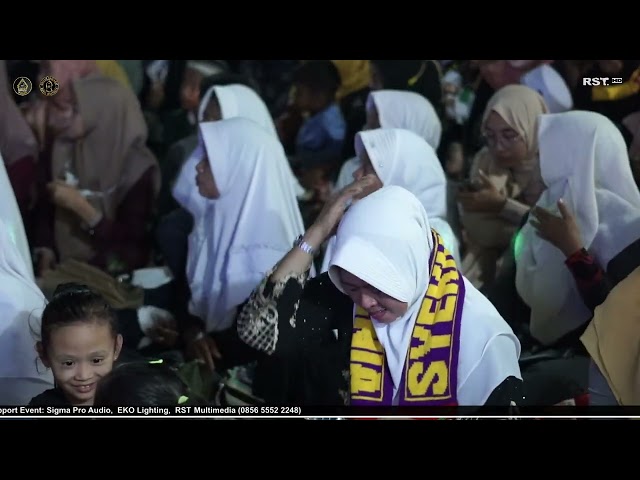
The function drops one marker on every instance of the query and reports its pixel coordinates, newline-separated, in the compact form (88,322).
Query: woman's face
(380,306)
(205,181)
(366,168)
(505,144)
(212,113)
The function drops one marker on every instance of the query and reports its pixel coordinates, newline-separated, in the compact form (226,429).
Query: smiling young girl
(79,343)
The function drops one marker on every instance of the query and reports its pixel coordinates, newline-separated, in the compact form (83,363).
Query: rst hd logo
(597,81)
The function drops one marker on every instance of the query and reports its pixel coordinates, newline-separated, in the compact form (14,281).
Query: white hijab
(408,110)
(403,158)
(398,109)
(385,240)
(235,101)
(583,160)
(390,254)
(10,215)
(21,304)
(249,228)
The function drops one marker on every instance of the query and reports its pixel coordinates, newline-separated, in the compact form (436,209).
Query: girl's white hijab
(249,228)
(10,215)
(408,110)
(385,240)
(398,109)
(235,101)
(403,158)
(584,161)
(21,304)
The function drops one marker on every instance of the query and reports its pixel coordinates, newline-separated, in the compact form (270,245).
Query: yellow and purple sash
(430,374)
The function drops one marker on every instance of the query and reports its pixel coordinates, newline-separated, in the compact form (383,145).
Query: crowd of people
(320,233)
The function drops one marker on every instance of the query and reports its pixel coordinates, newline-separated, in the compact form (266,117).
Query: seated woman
(612,340)
(221,102)
(18,146)
(385,295)
(22,303)
(585,167)
(504,181)
(250,222)
(98,180)
(396,109)
(402,158)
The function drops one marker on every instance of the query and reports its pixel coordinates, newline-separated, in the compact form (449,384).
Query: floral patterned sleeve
(591,280)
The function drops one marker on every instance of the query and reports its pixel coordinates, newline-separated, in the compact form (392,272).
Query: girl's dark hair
(319,75)
(72,303)
(225,78)
(142,384)
(419,76)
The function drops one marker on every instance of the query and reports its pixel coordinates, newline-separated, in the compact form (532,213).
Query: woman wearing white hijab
(402,158)
(585,165)
(21,304)
(10,215)
(396,109)
(252,218)
(222,103)
(385,295)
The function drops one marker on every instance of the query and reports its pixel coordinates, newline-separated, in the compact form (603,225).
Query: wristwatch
(305,247)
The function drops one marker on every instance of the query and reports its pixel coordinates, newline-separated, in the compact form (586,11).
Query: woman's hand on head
(329,218)
(561,231)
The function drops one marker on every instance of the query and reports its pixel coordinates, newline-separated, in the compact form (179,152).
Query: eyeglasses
(507,140)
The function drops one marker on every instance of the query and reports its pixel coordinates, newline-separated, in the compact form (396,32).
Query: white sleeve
(498,361)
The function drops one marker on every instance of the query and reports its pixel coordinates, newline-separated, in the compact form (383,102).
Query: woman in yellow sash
(392,322)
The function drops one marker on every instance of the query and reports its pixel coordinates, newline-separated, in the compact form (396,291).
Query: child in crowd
(144,384)
(319,141)
(79,342)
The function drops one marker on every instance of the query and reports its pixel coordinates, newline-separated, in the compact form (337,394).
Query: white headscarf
(390,254)
(398,109)
(408,110)
(21,304)
(235,100)
(249,228)
(10,214)
(584,161)
(549,83)
(401,157)
(385,240)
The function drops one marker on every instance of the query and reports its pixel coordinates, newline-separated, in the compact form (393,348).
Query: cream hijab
(403,158)
(249,228)
(21,304)
(584,161)
(235,101)
(613,340)
(519,107)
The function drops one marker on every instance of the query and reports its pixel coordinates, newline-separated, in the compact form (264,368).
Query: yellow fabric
(368,356)
(111,68)
(613,340)
(617,92)
(354,75)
